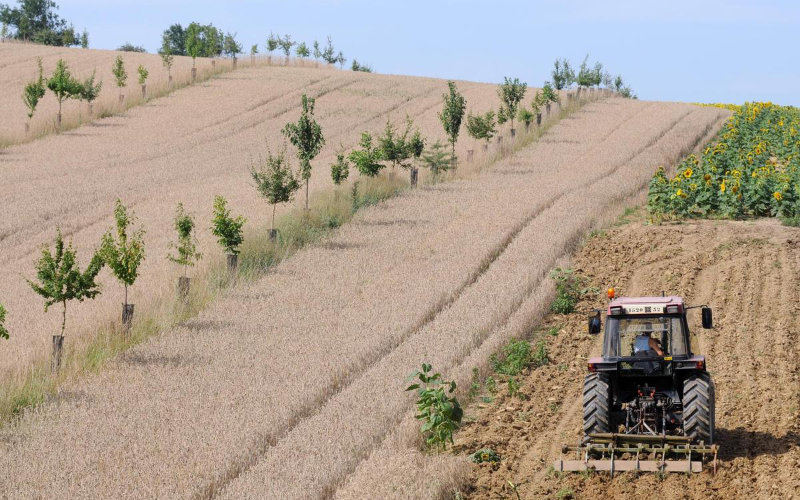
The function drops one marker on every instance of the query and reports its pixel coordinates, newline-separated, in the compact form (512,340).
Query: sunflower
(688,173)
(722,187)
(707,177)
(777,195)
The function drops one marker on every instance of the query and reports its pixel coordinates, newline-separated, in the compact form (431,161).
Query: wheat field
(188,146)
(292,386)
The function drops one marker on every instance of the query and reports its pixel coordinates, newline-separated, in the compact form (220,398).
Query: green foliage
(173,41)
(367,160)
(63,85)
(230,46)
(441,414)
(143,73)
(286,44)
(396,148)
(540,357)
(513,388)
(481,127)
(272,43)
(123,254)
(129,47)
(329,53)
(622,89)
(85,39)
(563,74)
(226,228)
(306,136)
(187,243)
(316,51)
(37,21)
(589,77)
(60,278)
(511,93)
(3,330)
(753,170)
(275,180)
(416,144)
(549,94)
(90,90)
(491,385)
(484,455)
(118,70)
(526,116)
(451,116)
(567,290)
(167,57)
(565,494)
(254,49)
(302,50)
(341,169)
(34,91)
(516,356)
(203,40)
(356,66)
(436,159)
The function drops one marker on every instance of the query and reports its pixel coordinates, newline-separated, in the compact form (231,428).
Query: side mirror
(708,321)
(594,324)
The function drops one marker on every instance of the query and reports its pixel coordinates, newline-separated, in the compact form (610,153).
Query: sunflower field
(752,171)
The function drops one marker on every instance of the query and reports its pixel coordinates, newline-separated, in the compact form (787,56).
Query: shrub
(516,357)
(540,357)
(567,290)
(3,330)
(123,254)
(441,414)
(341,169)
(226,228)
(484,455)
(129,47)
(356,66)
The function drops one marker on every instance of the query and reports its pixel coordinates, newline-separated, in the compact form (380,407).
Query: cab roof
(669,299)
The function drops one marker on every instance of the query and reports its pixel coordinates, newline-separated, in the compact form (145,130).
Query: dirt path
(749,273)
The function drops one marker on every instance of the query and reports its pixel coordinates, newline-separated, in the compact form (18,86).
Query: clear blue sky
(674,50)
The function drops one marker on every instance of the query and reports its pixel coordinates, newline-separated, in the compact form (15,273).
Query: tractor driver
(645,342)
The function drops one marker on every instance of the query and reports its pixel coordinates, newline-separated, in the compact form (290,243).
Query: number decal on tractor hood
(644,309)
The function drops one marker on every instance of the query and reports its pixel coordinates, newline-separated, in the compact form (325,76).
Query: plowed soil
(749,272)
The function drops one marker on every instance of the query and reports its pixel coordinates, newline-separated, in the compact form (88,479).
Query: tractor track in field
(749,272)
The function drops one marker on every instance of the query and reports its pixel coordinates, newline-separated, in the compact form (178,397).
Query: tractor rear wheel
(698,407)
(596,403)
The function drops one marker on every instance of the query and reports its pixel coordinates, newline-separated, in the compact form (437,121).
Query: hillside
(292,386)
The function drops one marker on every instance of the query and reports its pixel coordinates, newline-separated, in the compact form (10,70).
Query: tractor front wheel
(596,404)
(698,407)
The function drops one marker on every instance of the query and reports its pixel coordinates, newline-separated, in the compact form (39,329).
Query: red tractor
(648,401)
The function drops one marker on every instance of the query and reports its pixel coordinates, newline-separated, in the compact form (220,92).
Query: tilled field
(292,387)
(749,272)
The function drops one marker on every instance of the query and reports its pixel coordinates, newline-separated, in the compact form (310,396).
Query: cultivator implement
(637,452)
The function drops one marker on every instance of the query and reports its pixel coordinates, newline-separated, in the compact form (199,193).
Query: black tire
(698,407)
(596,403)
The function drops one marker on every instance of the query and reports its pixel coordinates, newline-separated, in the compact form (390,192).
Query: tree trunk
(233,262)
(234,63)
(414,176)
(59,114)
(183,288)
(527,127)
(547,107)
(91,110)
(273,233)
(144,91)
(169,79)
(486,146)
(307,195)
(58,346)
(127,312)
(121,97)
(538,119)
(194,74)
(213,63)
(513,132)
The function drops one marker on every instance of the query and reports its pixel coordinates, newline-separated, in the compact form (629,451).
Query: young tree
(231,47)
(37,21)
(123,254)
(549,94)
(395,147)
(167,59)
(195,43)
(367,160)
(341,59)
(228,230)
(174,41)
(253,52)
(511,93)
(435,159)
(272,44)
(186,248)
(329,53)
(341,169)
(286,44)
(90,91)
(275,181)
(3,330)
(481,127)
(34,91)
(120,75)
(563,74)
(302,50)
(360,67)
(63,85)
(85,39)
(416,146)
(59,280)
(143,74)
(316,51)
(306,136)
(451,116)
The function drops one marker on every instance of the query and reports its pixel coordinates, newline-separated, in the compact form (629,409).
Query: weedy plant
(441,414)
(306,136)
(61,280)
(567,290)
(228,230)
(123,254)
(484,455)
(516,356)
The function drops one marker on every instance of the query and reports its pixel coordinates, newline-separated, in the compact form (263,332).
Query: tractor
(648,401)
